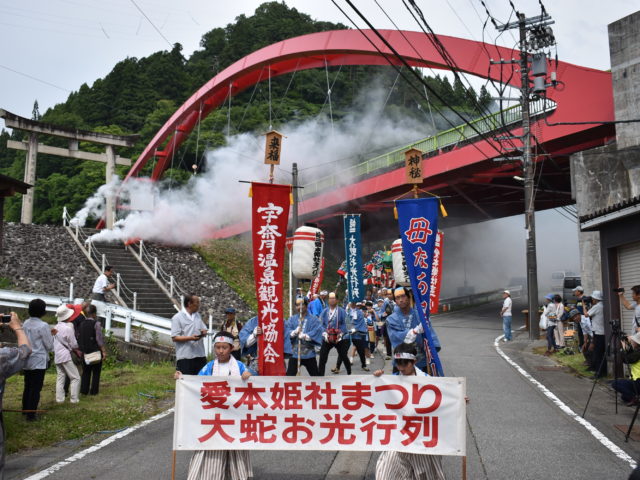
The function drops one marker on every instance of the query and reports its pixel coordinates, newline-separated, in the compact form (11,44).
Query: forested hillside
(139,95)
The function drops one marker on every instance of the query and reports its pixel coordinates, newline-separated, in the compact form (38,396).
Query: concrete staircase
(150,297)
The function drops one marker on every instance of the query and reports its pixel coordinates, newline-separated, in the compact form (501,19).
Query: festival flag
(317,282)
(353,253)
(342,269)
(418,223)
(270,214)
(436,273)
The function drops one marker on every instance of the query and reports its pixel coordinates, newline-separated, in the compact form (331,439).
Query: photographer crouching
(12,359)
(629,389)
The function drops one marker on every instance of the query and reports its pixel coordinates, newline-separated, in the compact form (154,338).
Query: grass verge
(232,260)
(128,394)
(575,362)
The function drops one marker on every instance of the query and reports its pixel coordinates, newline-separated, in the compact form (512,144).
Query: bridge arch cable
(445,56)
(365,140)
(449,60)
(417,76)
(326,71)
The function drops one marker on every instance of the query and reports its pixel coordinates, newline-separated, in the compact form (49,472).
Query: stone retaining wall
(42,259)
(192,273)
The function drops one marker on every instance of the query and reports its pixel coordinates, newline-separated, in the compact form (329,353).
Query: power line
(450,61)
(415,74)
(152,24)
(36,79)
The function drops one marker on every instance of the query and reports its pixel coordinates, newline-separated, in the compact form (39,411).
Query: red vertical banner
(436,273)
(270,214)
(317,282)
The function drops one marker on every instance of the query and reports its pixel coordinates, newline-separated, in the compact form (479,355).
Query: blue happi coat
(315,307)
(312,327)
(399,324)
(358,323)
(252,350)
(339,320)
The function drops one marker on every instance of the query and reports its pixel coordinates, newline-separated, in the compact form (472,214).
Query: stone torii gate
(32,147)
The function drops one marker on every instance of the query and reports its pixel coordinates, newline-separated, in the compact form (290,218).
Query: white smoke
(215,198)
(95,205)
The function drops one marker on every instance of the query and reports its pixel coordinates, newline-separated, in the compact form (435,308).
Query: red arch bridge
(459,164)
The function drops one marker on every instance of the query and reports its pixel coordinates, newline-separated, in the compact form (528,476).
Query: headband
(404,356)
(223,339)
(400,290)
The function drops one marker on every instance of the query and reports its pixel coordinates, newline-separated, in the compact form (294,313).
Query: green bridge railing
(447,138)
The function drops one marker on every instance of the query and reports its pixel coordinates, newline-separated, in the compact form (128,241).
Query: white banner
(367,413)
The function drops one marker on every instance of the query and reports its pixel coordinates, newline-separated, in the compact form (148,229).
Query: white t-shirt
(101,283)
(507,304)
(596,313)
(636,314)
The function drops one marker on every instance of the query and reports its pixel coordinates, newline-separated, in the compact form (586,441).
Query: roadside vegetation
(232,260)
(128,394)
(575,361)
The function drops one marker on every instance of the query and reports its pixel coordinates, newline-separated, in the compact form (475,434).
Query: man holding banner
(404,326)
(305,333)
(418,225)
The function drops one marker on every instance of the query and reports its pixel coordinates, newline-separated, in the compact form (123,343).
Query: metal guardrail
(447,138)
(151,263)
(479,298)
(153,266)
(98,259)
(109,311)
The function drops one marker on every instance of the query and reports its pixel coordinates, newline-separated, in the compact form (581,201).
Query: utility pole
(529,203)
(540,36)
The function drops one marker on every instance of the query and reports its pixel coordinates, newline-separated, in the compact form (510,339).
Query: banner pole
(464,468)
(173,466)
(299,343)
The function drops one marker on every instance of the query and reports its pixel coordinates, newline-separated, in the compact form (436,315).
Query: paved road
(513,430)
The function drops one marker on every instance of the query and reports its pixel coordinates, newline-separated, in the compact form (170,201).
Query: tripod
(613,345)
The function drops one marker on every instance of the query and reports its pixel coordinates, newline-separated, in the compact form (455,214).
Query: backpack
(87,336)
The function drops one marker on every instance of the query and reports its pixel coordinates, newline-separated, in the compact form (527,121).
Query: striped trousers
(409,466)
(220,465)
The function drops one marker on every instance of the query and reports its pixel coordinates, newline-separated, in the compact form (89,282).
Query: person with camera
(633,305)
(582,304)
(187,332)
(629,389)
(334,323)
(12,360)
(596,315)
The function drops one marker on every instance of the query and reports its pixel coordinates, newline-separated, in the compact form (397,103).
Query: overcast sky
(51,47)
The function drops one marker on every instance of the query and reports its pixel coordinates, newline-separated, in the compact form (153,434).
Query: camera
(5,318)
(618,290)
